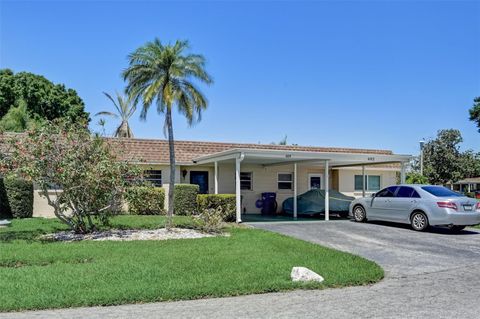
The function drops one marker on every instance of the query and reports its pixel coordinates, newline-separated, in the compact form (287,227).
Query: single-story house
(466,185)
(248,170)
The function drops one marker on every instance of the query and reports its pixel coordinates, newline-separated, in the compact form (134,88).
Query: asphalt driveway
(398,249)
(428,275)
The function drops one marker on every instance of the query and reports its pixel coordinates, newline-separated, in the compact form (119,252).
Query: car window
(387,192)
(440,191)
(415,194)
(404,191)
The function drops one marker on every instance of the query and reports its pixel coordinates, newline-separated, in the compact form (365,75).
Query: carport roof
(269,157)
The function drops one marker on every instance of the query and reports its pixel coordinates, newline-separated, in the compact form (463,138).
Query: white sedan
(418,205)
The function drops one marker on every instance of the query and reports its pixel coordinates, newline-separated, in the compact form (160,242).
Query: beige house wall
(264,180)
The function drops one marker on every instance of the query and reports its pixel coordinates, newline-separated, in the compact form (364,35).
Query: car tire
(456,229)
(419,221)
(359,214)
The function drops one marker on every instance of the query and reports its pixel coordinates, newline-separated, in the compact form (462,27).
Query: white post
(327,193)
(238,196)
(294,190)
(363,181)
(216,177)
(402,173)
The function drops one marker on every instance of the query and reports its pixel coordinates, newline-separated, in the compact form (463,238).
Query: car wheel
(456,229)
(419,221)
(359,214)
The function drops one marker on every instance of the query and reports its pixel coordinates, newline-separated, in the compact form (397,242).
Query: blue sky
(371,74)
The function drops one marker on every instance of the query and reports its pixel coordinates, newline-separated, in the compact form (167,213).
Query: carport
(268,157)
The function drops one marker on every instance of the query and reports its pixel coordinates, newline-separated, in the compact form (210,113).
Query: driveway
(428,275)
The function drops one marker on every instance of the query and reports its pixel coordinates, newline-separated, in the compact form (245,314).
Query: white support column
(363,180)
(402,173)
(216,178)
(238,195)
(327,192)
(294,190)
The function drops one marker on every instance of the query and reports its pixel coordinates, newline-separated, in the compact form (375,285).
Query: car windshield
(441,191)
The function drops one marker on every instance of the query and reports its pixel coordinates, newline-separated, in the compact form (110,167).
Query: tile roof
(155,151)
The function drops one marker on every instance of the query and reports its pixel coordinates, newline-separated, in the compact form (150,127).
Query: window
(387,192)
(153,176)
(440,191)
(404,191)
(372,182)
(285,180)
(246,181)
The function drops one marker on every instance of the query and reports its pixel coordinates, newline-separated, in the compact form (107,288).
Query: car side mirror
(373,195)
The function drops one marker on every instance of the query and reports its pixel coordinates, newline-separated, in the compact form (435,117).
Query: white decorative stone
(4,223)
(305,274)
(131,234)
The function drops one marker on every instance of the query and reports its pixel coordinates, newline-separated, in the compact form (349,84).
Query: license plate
(467,207)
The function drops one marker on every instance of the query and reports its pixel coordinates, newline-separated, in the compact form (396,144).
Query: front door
(314,181)
(201,179)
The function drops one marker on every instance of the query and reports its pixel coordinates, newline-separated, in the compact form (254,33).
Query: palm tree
(163,74)
(125,110)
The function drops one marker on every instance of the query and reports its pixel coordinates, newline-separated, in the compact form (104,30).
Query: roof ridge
(245,144)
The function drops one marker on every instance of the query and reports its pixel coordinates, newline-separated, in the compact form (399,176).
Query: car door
(402,204)
(380,205)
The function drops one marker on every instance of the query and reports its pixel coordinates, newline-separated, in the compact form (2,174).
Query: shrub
(210,220)
(185,199)
(470,194)
(225,201)
(84,167)
(17,197)
(145,200)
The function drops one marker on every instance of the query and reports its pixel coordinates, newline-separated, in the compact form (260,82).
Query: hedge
(225,201)
(145,200)
(16,196)
(185,199)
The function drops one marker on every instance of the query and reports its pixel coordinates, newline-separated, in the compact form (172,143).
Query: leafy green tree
(43,98)
(125,109)
(416,178)
(475,112)
(163,74)
(65,156)
(18,119)
(442,157)
(470,163)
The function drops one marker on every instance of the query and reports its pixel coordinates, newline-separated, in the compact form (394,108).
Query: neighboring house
(284,169)
(466,185)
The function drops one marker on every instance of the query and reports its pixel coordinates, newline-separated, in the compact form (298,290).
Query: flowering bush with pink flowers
(87,180)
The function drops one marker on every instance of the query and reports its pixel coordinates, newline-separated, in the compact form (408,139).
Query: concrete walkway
(429,275)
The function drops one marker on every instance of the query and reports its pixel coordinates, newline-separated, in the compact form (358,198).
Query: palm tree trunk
(171,147)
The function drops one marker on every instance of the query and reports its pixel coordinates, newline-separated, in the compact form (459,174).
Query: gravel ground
(129,234)
(428,275)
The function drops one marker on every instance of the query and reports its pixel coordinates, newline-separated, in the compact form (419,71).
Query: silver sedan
(418,205)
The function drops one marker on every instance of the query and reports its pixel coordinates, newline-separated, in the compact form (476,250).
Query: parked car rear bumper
(460,219)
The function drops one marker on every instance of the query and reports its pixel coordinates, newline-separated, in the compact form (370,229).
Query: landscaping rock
(305,274)
(4,223)
(130,234)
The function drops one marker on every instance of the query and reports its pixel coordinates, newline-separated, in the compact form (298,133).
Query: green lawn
(38,275)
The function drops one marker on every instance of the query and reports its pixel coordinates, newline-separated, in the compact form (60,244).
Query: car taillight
(450,205)
(477,206)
